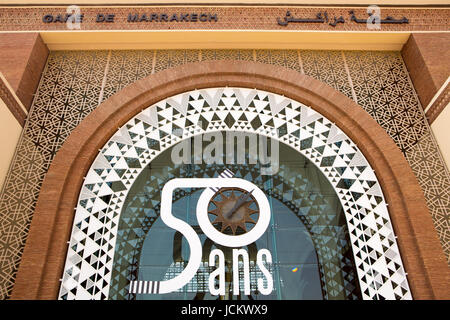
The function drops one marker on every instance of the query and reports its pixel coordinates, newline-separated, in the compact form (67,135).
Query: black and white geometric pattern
(91,249)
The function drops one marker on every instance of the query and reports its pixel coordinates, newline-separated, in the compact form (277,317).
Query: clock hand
(242,199)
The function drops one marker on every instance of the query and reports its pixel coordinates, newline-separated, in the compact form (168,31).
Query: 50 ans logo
(241,214)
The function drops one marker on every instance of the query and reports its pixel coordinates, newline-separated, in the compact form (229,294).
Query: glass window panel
(307,237)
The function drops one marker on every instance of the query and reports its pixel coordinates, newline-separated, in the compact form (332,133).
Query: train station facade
(241,150)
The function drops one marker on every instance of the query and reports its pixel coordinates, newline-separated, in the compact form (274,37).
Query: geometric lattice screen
(87,272)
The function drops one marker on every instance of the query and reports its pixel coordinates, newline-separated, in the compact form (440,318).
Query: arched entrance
(158,127)
(99,126)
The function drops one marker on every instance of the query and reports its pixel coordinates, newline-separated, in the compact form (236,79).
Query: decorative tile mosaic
(384,89)
(242,55)
(124,68)
(73,83)
(282,58)
(428,166)
(328,67)
(68,92)
(171,58)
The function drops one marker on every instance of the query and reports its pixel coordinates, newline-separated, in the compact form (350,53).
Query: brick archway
(44,255)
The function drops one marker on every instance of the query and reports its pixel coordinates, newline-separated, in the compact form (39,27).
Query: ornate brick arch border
(44,254)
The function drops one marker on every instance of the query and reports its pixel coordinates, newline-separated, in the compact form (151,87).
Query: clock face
(233,211)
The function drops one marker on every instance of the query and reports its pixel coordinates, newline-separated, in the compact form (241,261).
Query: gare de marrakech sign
(134,17)
(223,18)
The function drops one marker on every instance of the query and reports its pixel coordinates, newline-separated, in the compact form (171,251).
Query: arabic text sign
(322,17)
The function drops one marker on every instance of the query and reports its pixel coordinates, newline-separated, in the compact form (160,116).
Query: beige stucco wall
(223,39)
(441,131)
(10,131)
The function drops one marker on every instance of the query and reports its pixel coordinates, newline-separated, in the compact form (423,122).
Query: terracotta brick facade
(426,56)
(44,255)
(22,59)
